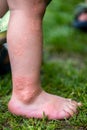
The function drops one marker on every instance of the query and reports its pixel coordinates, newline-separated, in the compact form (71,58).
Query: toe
(74,103)
(65,114)
(69,109)
(79,104)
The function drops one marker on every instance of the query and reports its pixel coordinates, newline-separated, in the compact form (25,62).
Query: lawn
(63,72)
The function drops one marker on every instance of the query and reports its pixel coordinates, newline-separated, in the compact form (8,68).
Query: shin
(25,46)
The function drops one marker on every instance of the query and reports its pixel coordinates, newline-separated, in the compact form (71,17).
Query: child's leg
(3,7)
(25,50)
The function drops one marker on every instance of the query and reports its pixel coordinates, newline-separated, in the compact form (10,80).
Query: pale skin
(25,41)
(83,16)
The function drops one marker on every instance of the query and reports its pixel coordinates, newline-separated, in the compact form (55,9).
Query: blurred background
(59,35)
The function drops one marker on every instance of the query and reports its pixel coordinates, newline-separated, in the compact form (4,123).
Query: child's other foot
(54,107)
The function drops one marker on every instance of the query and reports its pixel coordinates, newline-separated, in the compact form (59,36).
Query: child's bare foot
(54,107)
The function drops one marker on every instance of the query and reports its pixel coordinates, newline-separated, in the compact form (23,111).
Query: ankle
(25,90)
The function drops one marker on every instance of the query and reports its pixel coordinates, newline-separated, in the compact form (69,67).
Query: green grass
(64,71)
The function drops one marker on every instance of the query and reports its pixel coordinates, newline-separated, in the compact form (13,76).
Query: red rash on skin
(25,89)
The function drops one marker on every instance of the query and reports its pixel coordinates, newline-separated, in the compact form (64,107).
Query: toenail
(70,100)
(79,104)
